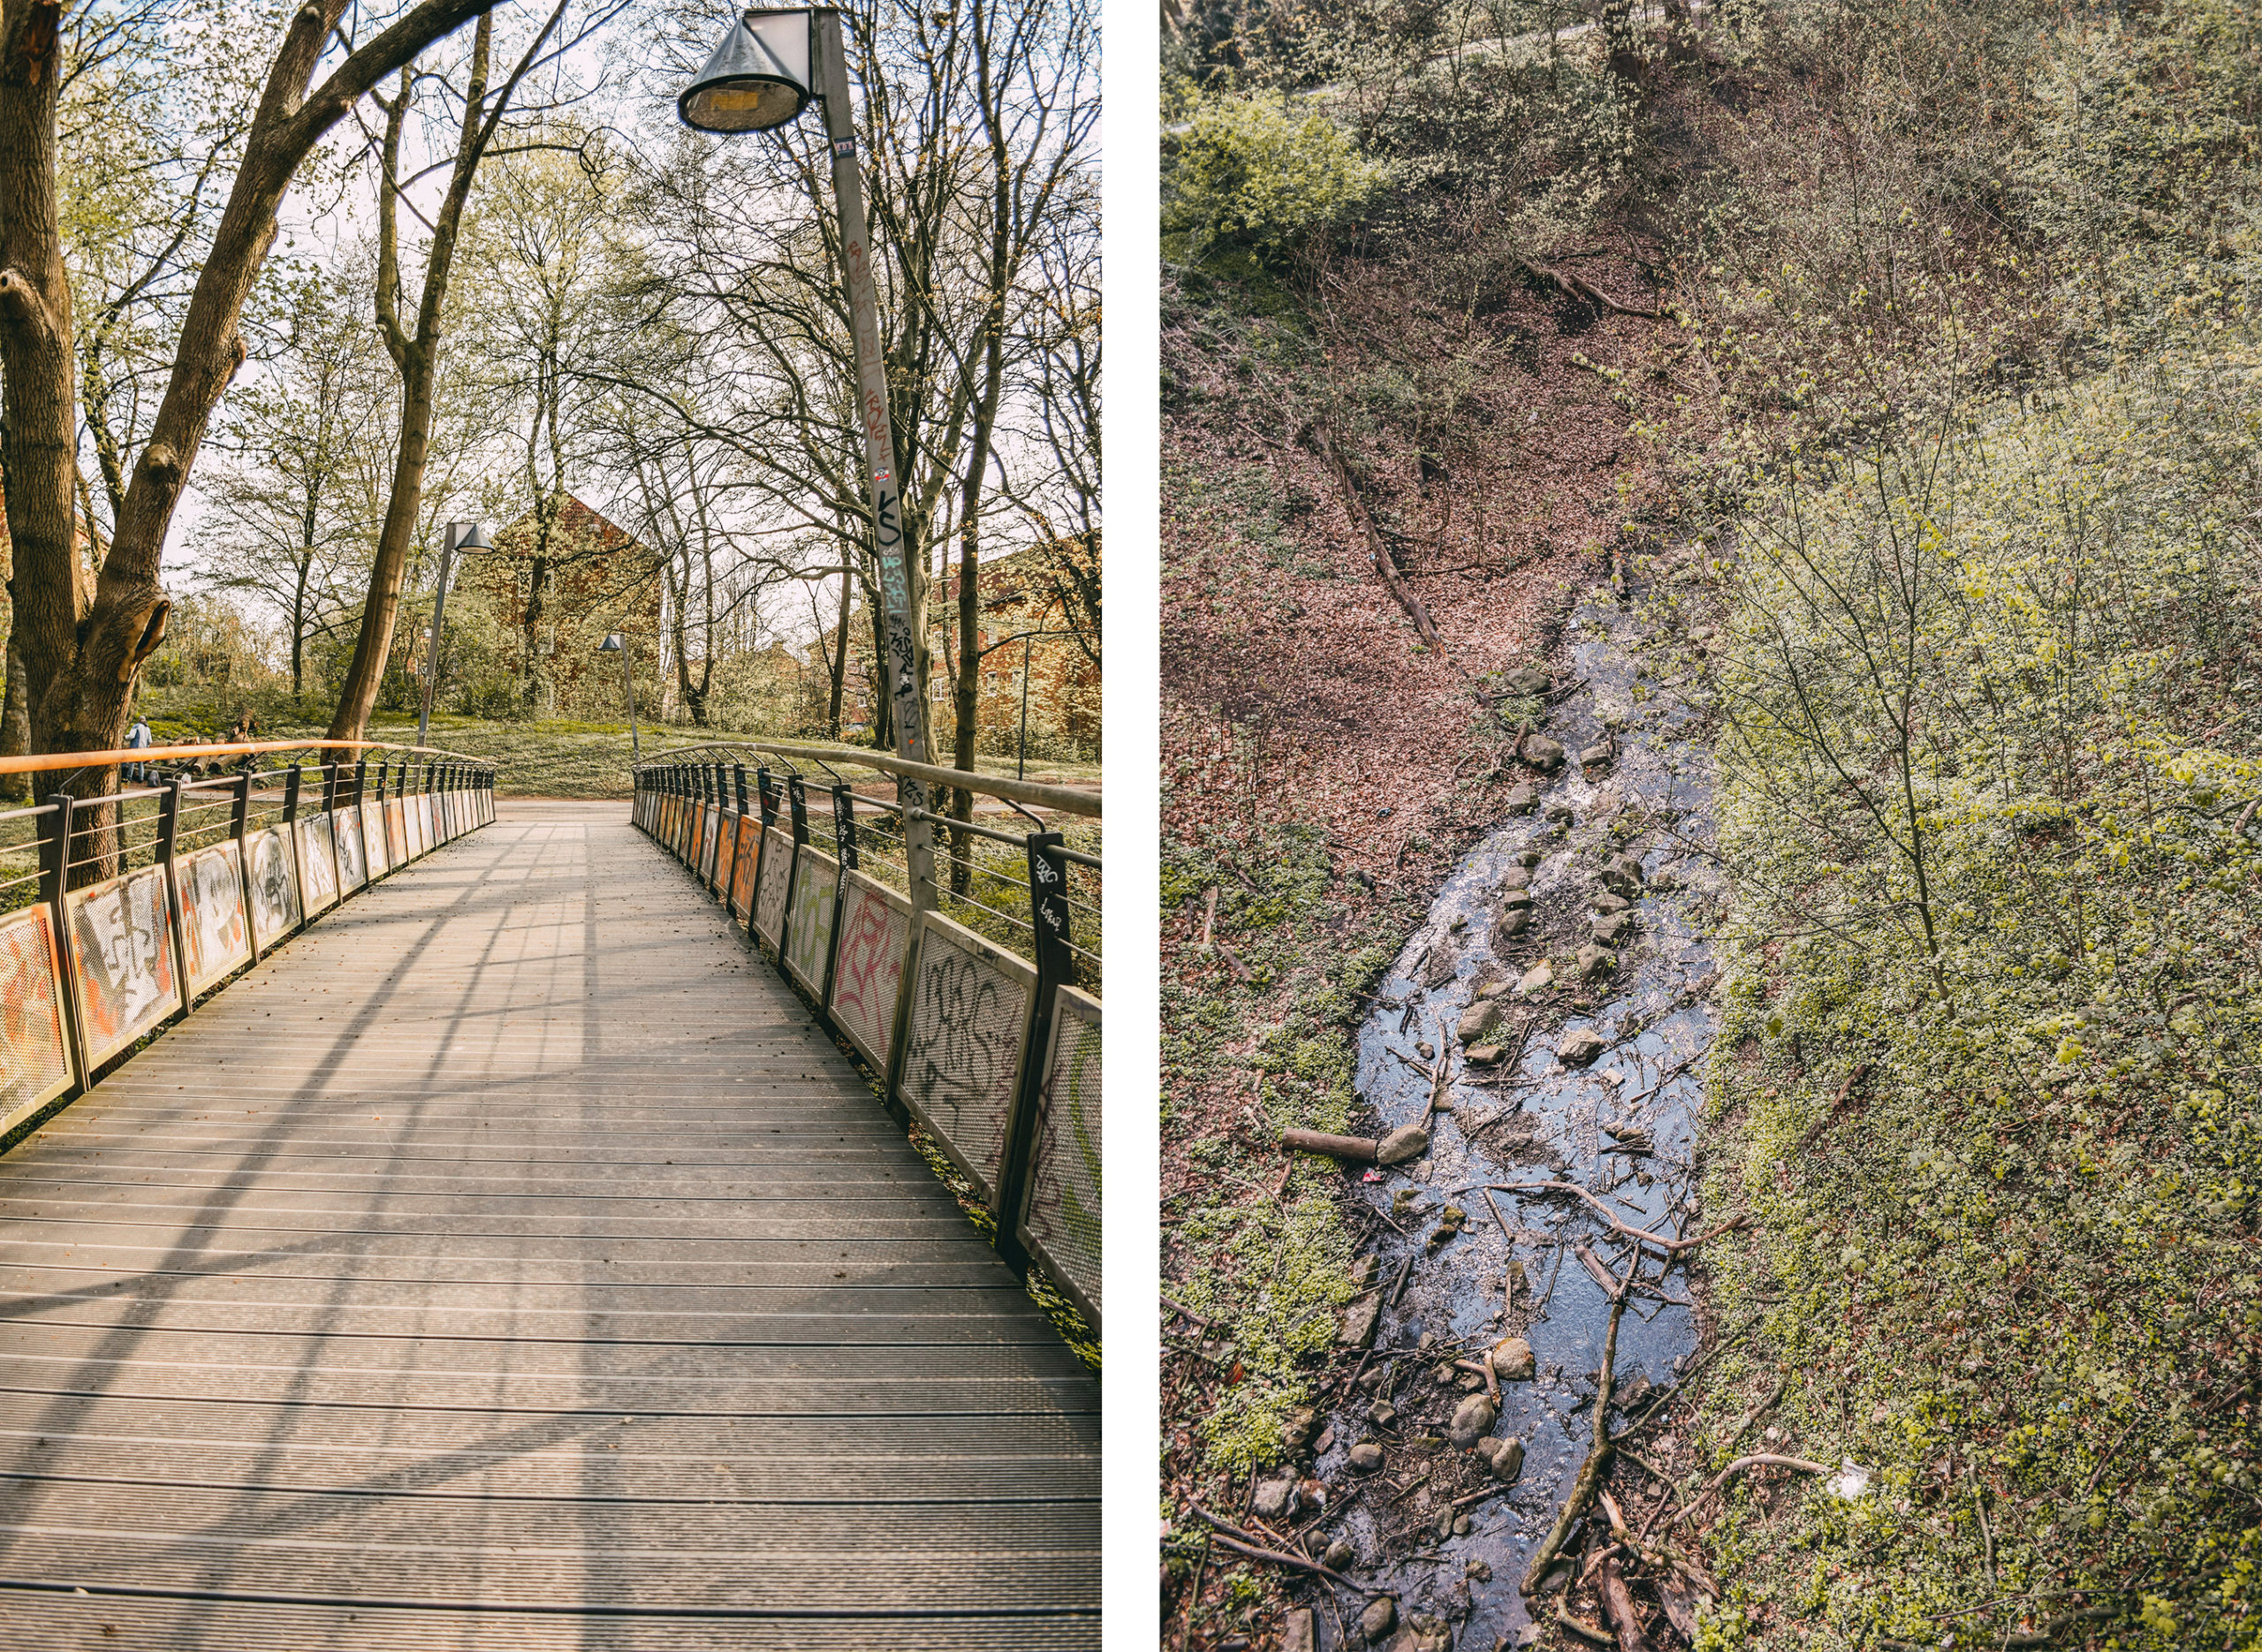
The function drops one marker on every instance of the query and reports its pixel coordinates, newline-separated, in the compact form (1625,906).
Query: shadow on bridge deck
(513,1262)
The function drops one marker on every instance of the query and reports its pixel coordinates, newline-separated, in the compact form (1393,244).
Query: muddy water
(1533,1119)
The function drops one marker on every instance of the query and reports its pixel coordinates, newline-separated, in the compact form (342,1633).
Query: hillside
(1833,427)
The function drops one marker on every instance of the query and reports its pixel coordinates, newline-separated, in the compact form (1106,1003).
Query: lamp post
(616,642)
(767,70)
(459,536)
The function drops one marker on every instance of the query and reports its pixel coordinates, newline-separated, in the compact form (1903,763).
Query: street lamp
(616,642)
(459,536)
(762,74)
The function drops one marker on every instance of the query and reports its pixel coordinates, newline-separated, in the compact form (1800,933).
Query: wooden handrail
(1068,800)
(39,762)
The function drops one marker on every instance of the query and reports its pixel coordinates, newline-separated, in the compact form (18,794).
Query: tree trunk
(416,357)
(81,661)
(15,726)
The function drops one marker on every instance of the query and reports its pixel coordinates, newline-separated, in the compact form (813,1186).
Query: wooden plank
(512,1261)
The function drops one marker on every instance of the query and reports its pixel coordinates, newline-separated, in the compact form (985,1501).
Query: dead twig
(1590,1477)
(1618,1606)
(1241,1542)
(1580,1627)
(1670,1247)
(1814,1130)
(1758,1459)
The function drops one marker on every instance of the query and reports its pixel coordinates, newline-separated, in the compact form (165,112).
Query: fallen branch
(1359,1147)
(1580,1627)
(1483,1369)
(1761,1460)
(1670,1247)
(1386,564)
(1589,1479)
(1578,287)
(1814,1130)
(1234,1538)
(1618,1606)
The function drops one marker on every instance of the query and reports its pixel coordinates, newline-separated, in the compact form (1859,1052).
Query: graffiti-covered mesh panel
(317,865)
(1063,1220)
(727,851)
(122,955)
(710,837)
(963,1053)
(215,920)
(274,885)
(396,832)
(35,1063)
(353,861)
(868,967)
(374,848)
(742,867)
(809,936)
(770,884)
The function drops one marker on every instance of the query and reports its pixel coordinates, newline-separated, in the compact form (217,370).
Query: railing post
(1048,883)
(330,788)
(797,805)
(765,787)
(54,877)
(843,825)
(168,852)
(738,769)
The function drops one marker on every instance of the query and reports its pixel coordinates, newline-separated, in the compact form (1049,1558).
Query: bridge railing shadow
(965,973)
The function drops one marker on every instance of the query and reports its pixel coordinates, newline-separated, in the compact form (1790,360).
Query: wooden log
(1363,1148)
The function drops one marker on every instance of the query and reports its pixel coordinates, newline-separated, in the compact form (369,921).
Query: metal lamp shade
(611,645)
(758,78)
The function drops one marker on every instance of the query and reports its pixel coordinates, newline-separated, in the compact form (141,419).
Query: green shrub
(1248,170)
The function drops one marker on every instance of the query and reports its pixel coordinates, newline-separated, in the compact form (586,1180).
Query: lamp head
(468,536)
(757,79)
(611,643)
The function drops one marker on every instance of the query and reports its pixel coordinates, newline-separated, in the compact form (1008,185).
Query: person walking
(138,738)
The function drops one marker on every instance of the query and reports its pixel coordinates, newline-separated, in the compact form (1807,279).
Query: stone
(1492,982)
(1543,754)
(1596,757)
(1507,1461)
(1298,1632)
(1379,1618)
(1300,1425)
(1408,1142)
(1512,1361)
(1326,1441)
(1529,858)
(1463,1526)
(1274,1497)
(1427,1050)
(1608,902)
(1560,810)
(1359,1322)
(1472,1421)
(1538,978)
(1579,1048)
(1366,1457)
(1339,1554)
(1478,1019)
(1365,1271)
(1486,1055)
(1477,1571)
(1597,961)
(1523,797)
(1611,927)
(1382,1414)
(1439,963)
(1515,920)
(1512,899)
(1622,873)
(1516,878)
(1529,680)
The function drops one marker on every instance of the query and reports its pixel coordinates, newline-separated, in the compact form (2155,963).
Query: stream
(1530,1118)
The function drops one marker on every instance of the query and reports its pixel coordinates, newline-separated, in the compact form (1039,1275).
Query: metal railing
(967,974)
(119,912)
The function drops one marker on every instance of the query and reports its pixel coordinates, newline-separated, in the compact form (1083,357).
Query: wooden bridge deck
(513,1262)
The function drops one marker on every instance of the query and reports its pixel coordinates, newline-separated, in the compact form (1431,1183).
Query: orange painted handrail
(39,762)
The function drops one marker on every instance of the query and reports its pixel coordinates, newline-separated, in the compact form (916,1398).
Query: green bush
(1249,172)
